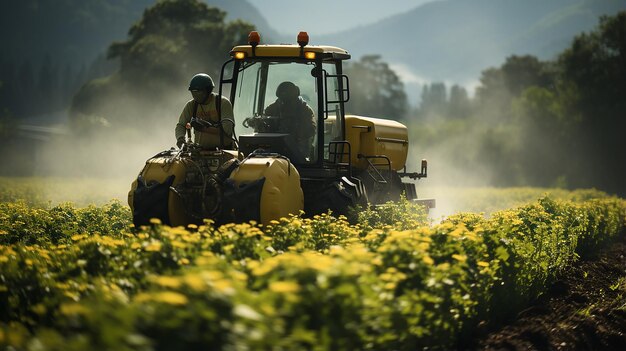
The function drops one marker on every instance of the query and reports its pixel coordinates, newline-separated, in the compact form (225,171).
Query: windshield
(281,97)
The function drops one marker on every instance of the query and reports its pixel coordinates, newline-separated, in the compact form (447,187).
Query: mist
(109,150)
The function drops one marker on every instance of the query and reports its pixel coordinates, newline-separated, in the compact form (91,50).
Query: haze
(328,16)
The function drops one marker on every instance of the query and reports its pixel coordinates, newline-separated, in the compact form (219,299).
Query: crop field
(79,276)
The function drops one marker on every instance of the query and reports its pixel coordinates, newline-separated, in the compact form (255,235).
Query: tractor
(266,173)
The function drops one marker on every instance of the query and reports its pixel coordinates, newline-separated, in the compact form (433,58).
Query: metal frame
(322,97)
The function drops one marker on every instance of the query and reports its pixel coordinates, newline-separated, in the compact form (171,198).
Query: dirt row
(584,310)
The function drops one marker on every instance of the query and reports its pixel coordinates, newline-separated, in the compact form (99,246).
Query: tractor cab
(301,125)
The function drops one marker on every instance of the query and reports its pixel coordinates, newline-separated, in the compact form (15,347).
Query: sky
(292,16)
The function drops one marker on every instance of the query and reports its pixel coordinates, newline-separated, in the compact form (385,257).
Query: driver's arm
(272,109)
(310,123)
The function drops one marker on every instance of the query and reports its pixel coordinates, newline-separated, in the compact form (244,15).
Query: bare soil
(584,310)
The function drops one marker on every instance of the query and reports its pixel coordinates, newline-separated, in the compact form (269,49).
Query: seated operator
(297,118)
(203,107)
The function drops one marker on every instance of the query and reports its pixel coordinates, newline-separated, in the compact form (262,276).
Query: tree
(499,86)
(434,100)
(48,86)
(26,87)
(596,65)
(376,90)
(594,69)
(174,38)
(521,72)
(459,105)
(172,41)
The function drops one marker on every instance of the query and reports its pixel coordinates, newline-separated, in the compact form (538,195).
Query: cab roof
(292,50)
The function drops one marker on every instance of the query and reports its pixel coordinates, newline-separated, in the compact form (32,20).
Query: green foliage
(23,224)
(174,40)
(538,123)
(378,90)
(387,282)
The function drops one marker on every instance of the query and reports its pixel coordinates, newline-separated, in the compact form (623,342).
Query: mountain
(66,30)
(242,9)
(454,40)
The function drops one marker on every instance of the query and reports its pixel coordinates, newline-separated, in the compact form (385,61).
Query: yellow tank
(157,171)
(281,193)
(374,136)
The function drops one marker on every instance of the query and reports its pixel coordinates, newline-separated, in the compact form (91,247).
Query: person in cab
(203,106)
(296,116)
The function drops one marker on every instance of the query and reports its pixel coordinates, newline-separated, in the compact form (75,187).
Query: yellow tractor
(274,169)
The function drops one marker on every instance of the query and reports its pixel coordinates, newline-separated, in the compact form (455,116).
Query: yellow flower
(320,263)
(155,221)
(171,298)
(155,246)
(443,266)
(266,267)
(252,264)
(143,297)
(483,263)
(212,275)
(460,229)
(428,260)
(460,258)
(62,286)
(390,286)
(195,282)
(167,281)
(73,308)
(77,237)
(135,245)
(39,308)
(284,287)
(178,244)
(223,286)
(183,261)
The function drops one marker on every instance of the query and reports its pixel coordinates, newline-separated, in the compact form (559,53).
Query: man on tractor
(297,117)
(212,129)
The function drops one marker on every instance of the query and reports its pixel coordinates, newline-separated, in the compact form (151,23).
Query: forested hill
(76,32)
(50,48)
(455,40)
(66,30)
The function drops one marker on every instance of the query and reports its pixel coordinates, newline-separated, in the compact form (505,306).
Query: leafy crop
(84,278)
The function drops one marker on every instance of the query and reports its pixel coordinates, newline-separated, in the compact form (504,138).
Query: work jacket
(209,137)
